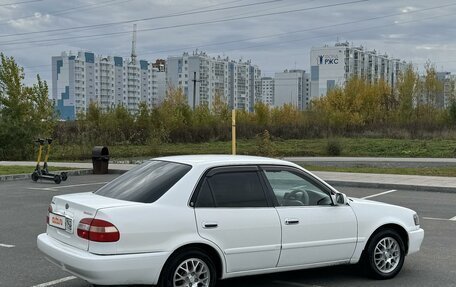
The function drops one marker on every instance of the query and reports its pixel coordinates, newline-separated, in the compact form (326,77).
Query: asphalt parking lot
(23,208)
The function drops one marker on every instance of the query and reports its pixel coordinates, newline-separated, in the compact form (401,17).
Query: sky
(273,34)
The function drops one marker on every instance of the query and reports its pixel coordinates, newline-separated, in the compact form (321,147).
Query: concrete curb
(444,189)
(117,171)
(26,176)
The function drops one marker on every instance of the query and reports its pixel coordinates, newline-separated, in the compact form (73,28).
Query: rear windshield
(145,183)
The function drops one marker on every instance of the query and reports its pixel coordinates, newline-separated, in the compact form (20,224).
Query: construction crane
(133,46)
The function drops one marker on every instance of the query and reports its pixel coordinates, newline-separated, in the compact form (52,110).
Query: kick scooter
(45,169)
(38,173)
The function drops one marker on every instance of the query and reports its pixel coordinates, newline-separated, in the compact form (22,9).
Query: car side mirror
(341,199)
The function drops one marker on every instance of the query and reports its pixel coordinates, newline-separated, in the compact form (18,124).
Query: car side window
(292,189)
(232,189)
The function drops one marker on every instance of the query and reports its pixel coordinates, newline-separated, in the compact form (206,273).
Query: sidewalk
(375,161)
(372,159)
(391,181)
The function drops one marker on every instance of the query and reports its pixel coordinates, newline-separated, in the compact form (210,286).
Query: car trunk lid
(68,210)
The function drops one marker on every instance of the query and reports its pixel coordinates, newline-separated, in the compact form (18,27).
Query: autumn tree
(431,86)
(220,108)
(407,92)
(262,114)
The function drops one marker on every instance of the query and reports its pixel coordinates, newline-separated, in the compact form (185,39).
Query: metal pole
(233,131)
(194,90)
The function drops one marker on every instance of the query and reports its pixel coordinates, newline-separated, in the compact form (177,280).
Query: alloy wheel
(387,255)
(192,272)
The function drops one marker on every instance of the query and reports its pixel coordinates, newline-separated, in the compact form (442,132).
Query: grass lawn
(18,169)
(370,147)
(431,171)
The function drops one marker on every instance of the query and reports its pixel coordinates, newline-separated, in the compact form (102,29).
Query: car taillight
(49,211)
(98,230)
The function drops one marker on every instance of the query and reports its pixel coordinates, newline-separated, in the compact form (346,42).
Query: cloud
(393,36)
(274,43)
(30,23)
(437,47)
(408,9)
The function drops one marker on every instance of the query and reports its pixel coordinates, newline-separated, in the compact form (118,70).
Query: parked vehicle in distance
(190,220)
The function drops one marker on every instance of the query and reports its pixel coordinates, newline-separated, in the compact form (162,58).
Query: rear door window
(145,183)
(232,189)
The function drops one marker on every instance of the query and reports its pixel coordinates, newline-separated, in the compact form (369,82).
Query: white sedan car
(190,220)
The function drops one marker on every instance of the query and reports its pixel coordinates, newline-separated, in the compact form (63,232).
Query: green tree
(26,113)
(452,112)
(143,124)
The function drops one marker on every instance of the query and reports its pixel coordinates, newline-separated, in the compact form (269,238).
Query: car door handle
(208,225)
(291,221)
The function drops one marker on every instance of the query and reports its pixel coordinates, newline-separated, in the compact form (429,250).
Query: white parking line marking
(82,184)
(42,188)
(55,281)
(453,218)
(65,186)
(295,284)
(7,245)
(378,194)
(436,218)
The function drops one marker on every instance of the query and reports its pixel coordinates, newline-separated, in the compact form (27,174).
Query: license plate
(61,222)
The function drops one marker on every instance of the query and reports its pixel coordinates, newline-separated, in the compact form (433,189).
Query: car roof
(217,160)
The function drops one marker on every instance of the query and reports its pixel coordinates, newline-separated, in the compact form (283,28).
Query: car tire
(200,267)
(57,179)
(385,255)
(35,176)
(64,176)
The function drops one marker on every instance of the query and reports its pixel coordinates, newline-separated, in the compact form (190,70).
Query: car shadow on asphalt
(307,277)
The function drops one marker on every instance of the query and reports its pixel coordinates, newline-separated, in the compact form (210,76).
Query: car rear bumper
(415,240)
(143,268)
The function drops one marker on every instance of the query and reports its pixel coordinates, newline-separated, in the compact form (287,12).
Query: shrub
(334,147)
(264,145)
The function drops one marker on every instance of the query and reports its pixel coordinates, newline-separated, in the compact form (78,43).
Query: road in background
(23,208)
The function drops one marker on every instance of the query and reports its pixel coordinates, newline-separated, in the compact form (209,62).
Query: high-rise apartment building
(441,99)
(109,81)
(333,66)
(237,83)
(292,87)
(446,96)
(267,90)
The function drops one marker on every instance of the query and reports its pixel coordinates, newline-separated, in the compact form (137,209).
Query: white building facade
(292,87)
(78,80)
(267,90)
(237,83)
(333,66)
(446,96)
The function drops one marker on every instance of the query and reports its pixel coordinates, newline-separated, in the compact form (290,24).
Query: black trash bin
(100,159)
